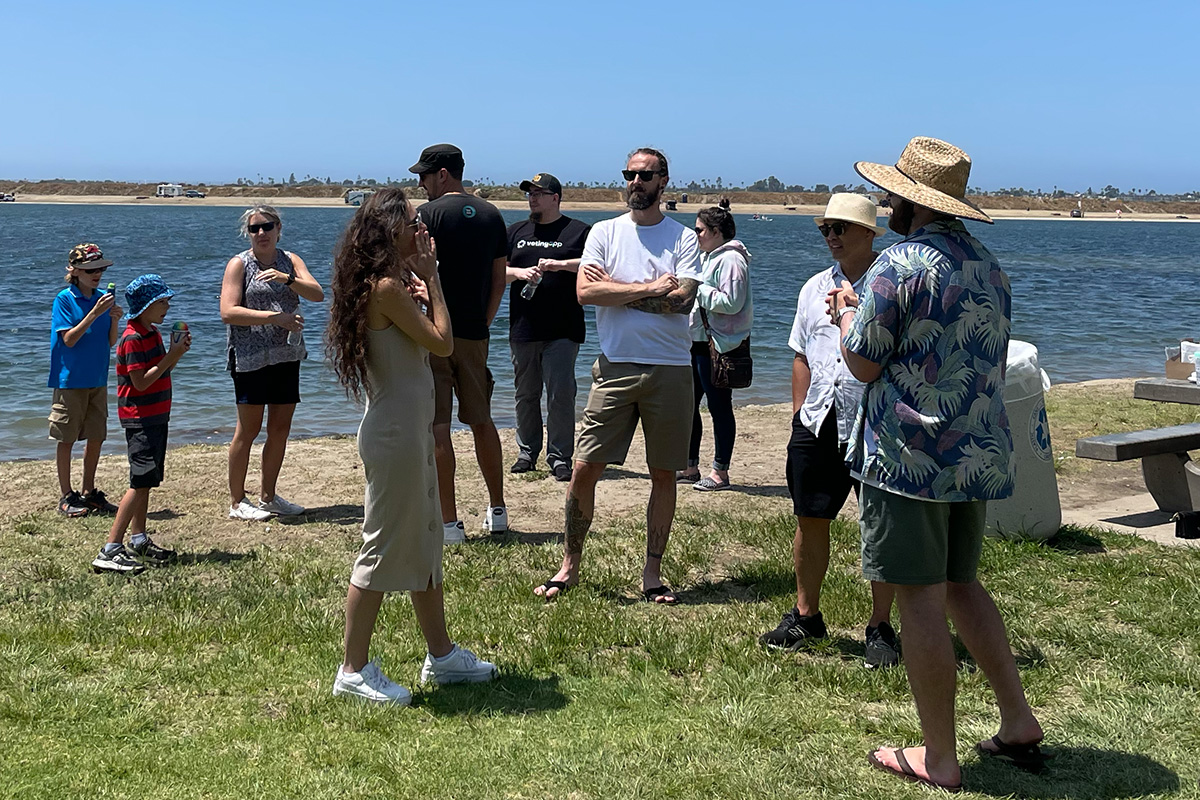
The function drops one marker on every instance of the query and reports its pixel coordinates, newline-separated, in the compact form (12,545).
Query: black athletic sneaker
(117,561)
(795,631)
(152,554)
(562,472)
(72,505)
(520,466)
(98,503)
(883,648)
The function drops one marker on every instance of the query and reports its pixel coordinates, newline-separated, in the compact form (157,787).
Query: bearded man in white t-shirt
(641,271)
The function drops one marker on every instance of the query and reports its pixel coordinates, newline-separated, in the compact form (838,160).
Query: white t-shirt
(633,253)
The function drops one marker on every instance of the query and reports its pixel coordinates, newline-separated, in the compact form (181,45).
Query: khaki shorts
(78,414)
(621,394)
(465,374)
(919,542)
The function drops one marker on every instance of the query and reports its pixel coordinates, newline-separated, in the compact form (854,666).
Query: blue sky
(1074,94)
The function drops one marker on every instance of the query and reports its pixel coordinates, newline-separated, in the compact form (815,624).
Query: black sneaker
(72,505)
(152,554)
(520,466)
(97,502)
(883,648)
(562,472)
(117,561)
(795,631)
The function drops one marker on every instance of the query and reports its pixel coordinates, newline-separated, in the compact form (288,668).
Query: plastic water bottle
(112,288)
(178,331)
(530,287)
(293,338)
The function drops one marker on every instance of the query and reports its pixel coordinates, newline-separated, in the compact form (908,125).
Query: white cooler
(1033,511)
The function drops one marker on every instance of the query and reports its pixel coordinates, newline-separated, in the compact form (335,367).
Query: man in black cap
(545,324)
(472,249)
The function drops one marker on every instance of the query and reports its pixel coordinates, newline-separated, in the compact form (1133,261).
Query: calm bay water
(1098,299)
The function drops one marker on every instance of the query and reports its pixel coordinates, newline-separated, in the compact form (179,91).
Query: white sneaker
(496,520)
(371,684)
(281,507)
(459,666)
(453,533)
(248,511)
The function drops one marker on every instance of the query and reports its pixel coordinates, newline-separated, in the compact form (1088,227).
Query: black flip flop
(908,773)
(562,586)
(1028,757)
(652,595)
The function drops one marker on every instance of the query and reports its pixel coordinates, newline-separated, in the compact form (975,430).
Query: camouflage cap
(87,256)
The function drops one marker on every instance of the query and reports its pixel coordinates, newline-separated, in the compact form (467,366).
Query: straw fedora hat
(855,208)
(930,173)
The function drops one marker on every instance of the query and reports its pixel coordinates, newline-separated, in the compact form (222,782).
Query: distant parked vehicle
(193,193)
(169,190)
(5,197)
(355,197)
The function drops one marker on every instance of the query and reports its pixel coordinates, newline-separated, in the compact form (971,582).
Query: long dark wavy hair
(366,252)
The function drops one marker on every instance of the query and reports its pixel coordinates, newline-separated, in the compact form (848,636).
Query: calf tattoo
(577,526)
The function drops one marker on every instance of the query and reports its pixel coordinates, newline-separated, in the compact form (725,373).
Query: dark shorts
(147,455)
(276,385)
(817,476)
(463,374)
(919,542)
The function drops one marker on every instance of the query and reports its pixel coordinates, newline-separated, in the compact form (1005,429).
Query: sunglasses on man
(93,271)
(837,228)
(265,227)
(646,175)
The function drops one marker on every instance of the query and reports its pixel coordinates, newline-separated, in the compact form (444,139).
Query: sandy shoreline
(770,210)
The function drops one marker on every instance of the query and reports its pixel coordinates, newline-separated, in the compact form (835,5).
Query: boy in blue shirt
(84,328)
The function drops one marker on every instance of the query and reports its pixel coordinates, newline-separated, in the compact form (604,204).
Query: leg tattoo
(577,526)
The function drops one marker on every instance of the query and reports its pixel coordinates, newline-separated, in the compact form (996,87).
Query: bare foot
(909,763)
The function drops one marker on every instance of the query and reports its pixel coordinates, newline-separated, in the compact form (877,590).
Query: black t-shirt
(554,312)
(470,235)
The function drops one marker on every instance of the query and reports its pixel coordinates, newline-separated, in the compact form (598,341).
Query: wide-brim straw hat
(849,207)
(930,173)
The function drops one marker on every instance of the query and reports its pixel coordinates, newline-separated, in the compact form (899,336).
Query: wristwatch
(291,279)
(837,317)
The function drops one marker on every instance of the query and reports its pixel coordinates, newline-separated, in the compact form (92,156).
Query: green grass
(212,678)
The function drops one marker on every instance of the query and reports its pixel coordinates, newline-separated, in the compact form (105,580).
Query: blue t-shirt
(85,365)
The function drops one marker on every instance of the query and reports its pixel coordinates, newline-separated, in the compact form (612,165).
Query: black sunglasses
(837,227)
(92,271)
(538,194)
(255,227)
(646,175)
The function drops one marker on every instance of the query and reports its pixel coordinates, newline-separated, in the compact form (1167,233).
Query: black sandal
(652,595)
(1028,757)
(562,586)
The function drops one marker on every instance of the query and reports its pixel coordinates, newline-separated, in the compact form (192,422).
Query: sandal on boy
(652,595)
(1028,757)
(908,773)
(562,586)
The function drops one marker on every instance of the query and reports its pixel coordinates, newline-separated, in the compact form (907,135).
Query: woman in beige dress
(388,314)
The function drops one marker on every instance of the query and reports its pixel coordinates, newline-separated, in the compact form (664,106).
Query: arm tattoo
(677,302)
(577,526)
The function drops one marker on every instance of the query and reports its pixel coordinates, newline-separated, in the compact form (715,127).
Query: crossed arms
(663,295)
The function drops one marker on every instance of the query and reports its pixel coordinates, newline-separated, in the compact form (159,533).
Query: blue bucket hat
(144,290)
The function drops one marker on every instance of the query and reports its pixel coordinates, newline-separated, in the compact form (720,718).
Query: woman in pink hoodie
(725,300)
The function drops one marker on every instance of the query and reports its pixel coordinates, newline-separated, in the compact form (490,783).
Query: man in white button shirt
(825,399)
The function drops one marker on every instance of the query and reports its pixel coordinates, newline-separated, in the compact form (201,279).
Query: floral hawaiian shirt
(935,314)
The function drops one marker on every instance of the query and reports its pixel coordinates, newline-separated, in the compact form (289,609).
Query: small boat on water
(760,217)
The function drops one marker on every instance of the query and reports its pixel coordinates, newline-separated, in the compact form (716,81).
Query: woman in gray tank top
(260,302)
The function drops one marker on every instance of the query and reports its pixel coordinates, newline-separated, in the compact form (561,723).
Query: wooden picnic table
(1167,390)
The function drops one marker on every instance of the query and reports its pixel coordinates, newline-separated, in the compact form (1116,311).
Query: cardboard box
(1180,370)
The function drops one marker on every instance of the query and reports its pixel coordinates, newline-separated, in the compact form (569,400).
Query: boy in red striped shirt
(143,407)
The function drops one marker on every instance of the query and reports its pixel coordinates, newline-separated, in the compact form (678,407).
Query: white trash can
(1033,510)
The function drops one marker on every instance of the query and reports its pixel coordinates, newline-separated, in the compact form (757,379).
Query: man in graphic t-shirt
(472,250)
(641,271)
(546,329)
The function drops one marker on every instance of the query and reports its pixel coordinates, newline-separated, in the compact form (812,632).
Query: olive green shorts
(919,542)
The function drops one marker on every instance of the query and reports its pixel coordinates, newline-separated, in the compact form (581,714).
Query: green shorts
(919,542)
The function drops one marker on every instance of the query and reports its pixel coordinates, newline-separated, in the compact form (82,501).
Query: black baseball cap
(543,180)
(437,156)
